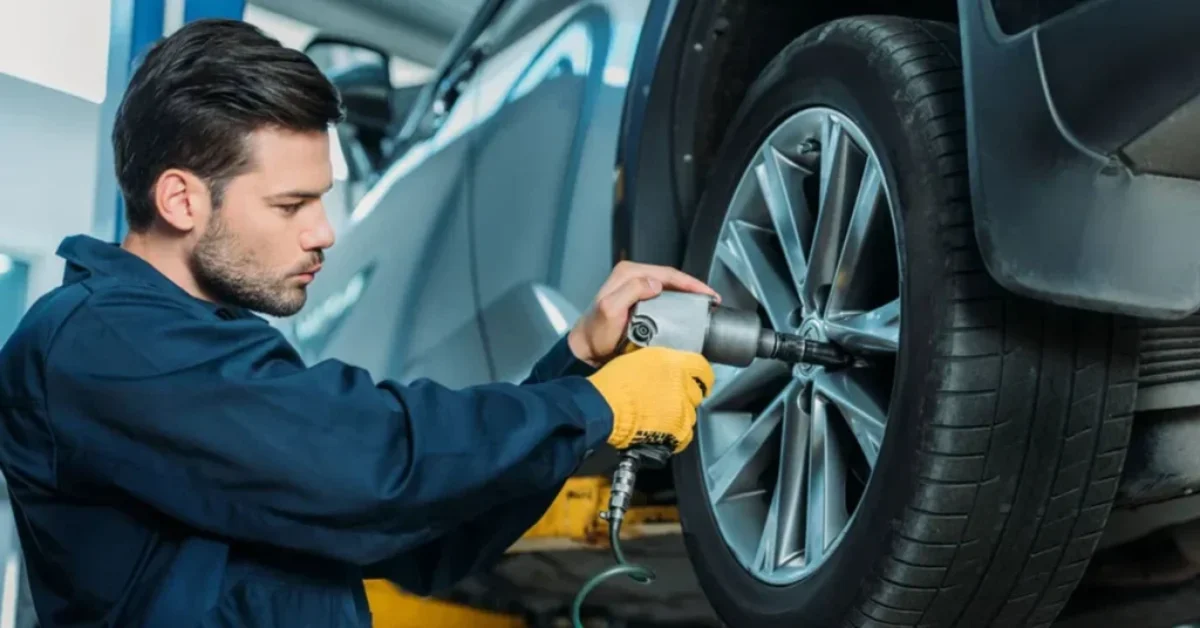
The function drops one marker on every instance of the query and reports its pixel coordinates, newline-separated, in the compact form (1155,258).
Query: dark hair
(196,97)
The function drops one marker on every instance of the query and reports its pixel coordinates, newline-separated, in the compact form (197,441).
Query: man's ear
(182,199)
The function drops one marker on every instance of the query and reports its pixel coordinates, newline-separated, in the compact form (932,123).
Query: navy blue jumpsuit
(174,463)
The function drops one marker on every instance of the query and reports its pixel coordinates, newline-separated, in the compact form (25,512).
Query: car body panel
(1081,185)
(455,265)
(395,295)
(545,140)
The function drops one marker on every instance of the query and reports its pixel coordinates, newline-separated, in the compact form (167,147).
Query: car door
(395,295)
(551,90)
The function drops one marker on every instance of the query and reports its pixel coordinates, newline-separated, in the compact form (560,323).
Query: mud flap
(1083,147)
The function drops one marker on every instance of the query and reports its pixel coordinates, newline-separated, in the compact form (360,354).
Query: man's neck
(167,259)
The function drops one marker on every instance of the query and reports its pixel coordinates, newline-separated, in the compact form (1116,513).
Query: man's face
(263,245)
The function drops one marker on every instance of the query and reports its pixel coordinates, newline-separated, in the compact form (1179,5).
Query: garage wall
(47,174)
(52,83)
(68,54)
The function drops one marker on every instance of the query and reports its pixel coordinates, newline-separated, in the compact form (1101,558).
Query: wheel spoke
(862,409)
(718,431)
(877,330)
(734,472)
(747,251)
(854,277)
(790,488)
(781,181)
(841,168)
(766,558)
(826,484)
(733,386)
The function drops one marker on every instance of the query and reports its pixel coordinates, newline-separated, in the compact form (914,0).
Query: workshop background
(63,66)
(516,207)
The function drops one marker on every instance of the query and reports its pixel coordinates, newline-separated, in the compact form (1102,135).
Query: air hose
(639,574)
(623,482)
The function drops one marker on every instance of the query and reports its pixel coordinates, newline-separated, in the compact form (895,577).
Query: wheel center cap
(811,329)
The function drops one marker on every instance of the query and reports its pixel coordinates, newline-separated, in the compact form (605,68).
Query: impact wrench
(723,335)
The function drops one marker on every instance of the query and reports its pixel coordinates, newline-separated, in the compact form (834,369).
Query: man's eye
(292,208)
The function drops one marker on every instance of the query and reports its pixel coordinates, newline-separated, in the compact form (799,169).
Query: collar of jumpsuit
(87,256)
(172,462)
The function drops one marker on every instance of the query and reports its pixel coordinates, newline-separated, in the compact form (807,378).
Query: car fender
(1083,157)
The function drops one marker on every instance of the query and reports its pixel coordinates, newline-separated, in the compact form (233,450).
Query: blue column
(200,9)
(135,26)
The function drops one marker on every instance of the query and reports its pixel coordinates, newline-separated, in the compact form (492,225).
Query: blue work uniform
(173,463)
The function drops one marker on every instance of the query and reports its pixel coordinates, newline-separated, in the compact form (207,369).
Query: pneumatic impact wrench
(723,335)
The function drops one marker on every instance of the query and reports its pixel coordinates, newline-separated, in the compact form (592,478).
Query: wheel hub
(813,328)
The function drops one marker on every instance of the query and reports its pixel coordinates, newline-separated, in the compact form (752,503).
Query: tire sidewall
(829,69)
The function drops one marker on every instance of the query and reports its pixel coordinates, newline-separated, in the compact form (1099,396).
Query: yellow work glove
(653,393)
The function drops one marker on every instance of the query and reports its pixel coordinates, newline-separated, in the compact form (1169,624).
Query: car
(992,203)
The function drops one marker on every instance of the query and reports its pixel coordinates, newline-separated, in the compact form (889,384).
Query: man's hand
(654,393)
(595,337)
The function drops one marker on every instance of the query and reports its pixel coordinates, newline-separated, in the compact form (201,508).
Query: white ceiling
(418,30)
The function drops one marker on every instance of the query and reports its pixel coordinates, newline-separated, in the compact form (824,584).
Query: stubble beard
(231,274)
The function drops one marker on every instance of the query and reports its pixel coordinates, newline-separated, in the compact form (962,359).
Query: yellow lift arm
(572,522)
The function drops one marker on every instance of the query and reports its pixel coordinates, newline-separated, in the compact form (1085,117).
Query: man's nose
(320,235)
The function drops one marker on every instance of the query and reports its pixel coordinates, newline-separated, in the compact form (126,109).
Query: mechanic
(173,462)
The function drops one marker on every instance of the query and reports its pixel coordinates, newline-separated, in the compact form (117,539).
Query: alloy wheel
(809,241)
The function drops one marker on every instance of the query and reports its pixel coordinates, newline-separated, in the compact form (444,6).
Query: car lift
(572,522)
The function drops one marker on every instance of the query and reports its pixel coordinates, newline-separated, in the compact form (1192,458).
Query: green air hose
(620,498)
(639,573)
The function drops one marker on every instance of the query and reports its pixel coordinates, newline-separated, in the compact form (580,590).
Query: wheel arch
(694,64)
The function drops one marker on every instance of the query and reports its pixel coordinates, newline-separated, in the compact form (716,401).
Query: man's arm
(558,362)
(478,543)
(474,546)
(223,427)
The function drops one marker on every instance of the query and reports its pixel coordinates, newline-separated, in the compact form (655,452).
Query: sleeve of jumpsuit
(479,542)
(220,425)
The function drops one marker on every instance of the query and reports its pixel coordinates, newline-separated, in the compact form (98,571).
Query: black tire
(1010,418)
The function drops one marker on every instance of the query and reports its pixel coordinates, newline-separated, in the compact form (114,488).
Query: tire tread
(975,494)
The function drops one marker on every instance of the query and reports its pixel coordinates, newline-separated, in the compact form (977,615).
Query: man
(173,463)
